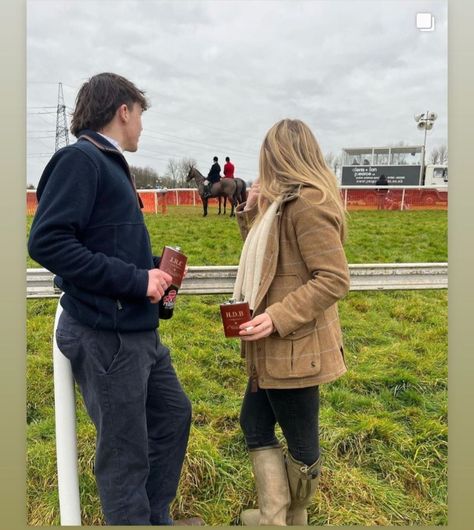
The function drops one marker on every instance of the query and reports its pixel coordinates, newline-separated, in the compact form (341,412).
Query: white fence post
(66,441)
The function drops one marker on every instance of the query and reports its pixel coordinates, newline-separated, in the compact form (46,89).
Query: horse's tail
(243,193)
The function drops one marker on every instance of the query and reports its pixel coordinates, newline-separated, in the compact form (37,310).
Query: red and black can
(172,261)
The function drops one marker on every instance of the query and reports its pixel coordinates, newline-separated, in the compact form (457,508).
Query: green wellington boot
(272,488)
(303,481)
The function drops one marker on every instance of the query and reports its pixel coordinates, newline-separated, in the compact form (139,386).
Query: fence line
(354,198)
(220,279)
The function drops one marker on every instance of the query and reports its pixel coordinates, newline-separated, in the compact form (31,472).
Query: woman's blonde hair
(290,157)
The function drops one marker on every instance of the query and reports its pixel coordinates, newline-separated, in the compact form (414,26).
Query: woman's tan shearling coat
(304,274)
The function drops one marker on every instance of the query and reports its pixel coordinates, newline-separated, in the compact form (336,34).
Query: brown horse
(233,189)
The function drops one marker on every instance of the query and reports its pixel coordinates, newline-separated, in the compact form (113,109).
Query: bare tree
(439,155)
(433,156)
(334,162)
(172,173)
(329,157)
(145,178)
(185,164)
(176,173)
(443,154)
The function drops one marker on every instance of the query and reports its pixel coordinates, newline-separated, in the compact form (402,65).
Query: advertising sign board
(368,175)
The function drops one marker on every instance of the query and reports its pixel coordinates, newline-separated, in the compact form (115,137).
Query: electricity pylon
(62,135)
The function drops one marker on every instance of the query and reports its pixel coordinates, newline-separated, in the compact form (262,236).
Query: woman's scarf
(251,258)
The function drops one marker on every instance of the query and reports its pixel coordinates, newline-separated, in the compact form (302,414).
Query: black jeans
(296,411)
(141,414)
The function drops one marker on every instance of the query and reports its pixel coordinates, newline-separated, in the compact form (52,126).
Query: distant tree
(329,157)
(438,155)
(185,165)
(30,187)
(433,156)
(167,182)
(176,173)
(334,162)
(443,154)
(171,174)
(145,177)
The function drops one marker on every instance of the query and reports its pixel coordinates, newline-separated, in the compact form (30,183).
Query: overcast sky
(220,73)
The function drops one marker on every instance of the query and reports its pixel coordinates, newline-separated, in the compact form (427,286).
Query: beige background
(461,258)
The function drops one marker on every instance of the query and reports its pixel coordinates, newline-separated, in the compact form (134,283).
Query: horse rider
(229,169)
(213,176)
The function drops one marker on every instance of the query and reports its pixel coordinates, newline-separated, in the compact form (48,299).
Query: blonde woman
(292,271)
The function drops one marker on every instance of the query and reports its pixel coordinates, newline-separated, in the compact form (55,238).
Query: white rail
(220,279)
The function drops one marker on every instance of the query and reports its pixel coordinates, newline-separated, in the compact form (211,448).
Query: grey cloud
(220,73)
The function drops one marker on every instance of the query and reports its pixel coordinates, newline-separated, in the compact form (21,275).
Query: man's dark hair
(215,159)
(99,98)
(227,159)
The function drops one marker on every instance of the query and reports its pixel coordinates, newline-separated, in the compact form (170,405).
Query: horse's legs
(219,198)
(204,205)
(225,203)
(232,202)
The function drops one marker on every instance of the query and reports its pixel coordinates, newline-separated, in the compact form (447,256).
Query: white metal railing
(220,279)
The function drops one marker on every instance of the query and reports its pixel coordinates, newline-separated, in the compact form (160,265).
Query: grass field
(383,425)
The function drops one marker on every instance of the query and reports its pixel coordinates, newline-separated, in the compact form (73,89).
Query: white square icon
(425,21)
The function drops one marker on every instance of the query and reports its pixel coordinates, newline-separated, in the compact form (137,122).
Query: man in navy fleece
(89,231)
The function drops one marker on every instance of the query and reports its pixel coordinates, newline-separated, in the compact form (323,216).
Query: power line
(166,158)
(244,153)
(42,107)
(206,125)
(42,131)
(192,146)
(49,83)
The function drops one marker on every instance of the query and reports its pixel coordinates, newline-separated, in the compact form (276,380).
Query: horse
(233,189)
(240,193)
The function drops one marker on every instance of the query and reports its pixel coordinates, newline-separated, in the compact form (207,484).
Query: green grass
(374,236)
(383,425)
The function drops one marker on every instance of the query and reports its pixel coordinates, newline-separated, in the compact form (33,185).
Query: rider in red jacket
(228,168)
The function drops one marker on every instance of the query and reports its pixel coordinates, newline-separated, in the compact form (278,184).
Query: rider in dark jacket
(213,176)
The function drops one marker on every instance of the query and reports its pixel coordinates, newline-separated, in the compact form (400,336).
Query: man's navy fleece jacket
(89,231)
